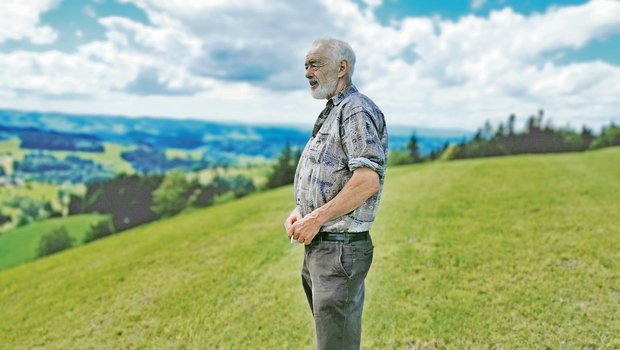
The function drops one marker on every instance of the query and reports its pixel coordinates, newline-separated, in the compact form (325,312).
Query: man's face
(321,74)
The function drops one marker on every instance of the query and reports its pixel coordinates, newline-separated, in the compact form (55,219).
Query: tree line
(538,136)
(132,200)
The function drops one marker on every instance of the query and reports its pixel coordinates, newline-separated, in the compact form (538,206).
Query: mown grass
(505,253)
(21,244)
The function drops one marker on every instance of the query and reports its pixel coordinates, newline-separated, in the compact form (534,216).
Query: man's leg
(306,281)
(337,273)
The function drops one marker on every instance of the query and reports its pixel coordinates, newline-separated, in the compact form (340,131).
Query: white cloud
(20,20)
(479,68)
(170,42)
(243,60)
(54,74)
(261,41)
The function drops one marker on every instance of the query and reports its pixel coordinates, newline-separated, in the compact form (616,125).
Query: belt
(342,236)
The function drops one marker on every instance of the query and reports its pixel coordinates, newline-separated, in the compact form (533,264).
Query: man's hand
(293,217)
(363,184)
(304,230)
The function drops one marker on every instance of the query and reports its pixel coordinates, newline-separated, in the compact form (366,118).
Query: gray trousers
(333,276)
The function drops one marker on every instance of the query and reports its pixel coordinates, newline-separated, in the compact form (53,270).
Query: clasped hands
(302,229)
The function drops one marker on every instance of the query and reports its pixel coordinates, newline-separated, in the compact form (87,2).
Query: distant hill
(511,252)
(89,131)
(156,133)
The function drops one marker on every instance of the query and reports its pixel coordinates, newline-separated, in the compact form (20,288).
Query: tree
(242,186)
(172,196)
(538,137)
(128,198)
(414,149)
(487,130)
(398,158)
(438,152)
(511,124)
(587,136)
(284,170)
(4,218)
(54,241)
(610,136)
(99,230)
(501,130)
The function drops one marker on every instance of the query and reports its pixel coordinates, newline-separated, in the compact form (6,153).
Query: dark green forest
(538,136)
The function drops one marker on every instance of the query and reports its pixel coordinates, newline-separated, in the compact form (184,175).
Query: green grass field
(11,147)
(35,190)
(258,173)
(504,253)
(21,244)
(111,157)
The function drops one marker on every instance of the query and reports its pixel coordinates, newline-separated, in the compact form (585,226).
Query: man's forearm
(363,184)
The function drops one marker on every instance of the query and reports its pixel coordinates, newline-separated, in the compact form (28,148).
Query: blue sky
(427,63)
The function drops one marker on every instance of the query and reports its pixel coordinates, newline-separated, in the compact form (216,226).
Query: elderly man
(337,188)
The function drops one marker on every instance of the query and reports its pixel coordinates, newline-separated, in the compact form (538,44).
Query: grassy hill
(21,244)
(503,253)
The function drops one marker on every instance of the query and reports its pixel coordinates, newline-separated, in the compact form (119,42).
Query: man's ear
(343,69)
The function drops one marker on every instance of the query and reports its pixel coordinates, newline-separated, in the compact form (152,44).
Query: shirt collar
(351,89)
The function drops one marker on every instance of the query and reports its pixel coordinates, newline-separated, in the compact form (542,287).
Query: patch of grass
(184,154)
(21,244)
(110,157)
(36,190)
(505,253)
(258,173)
(11,146)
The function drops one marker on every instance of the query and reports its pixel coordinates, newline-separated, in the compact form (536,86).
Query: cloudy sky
(449,64)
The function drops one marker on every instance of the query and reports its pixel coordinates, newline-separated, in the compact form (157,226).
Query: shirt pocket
(318,146)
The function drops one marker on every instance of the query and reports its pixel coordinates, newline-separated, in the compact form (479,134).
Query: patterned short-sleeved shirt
(351,135)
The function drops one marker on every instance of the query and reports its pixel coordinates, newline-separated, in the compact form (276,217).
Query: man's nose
(309,72)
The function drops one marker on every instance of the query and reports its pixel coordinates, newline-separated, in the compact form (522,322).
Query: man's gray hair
(338,51)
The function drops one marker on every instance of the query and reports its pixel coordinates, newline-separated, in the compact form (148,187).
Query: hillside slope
(22,244)
(514,252)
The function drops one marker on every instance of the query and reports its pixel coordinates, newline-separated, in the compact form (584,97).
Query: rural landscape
(148,157)
(86,177)
(513,251)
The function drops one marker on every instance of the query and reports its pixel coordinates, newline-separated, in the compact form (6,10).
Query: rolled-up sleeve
(361,141)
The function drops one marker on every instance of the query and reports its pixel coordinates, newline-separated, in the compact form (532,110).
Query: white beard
(323,90)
